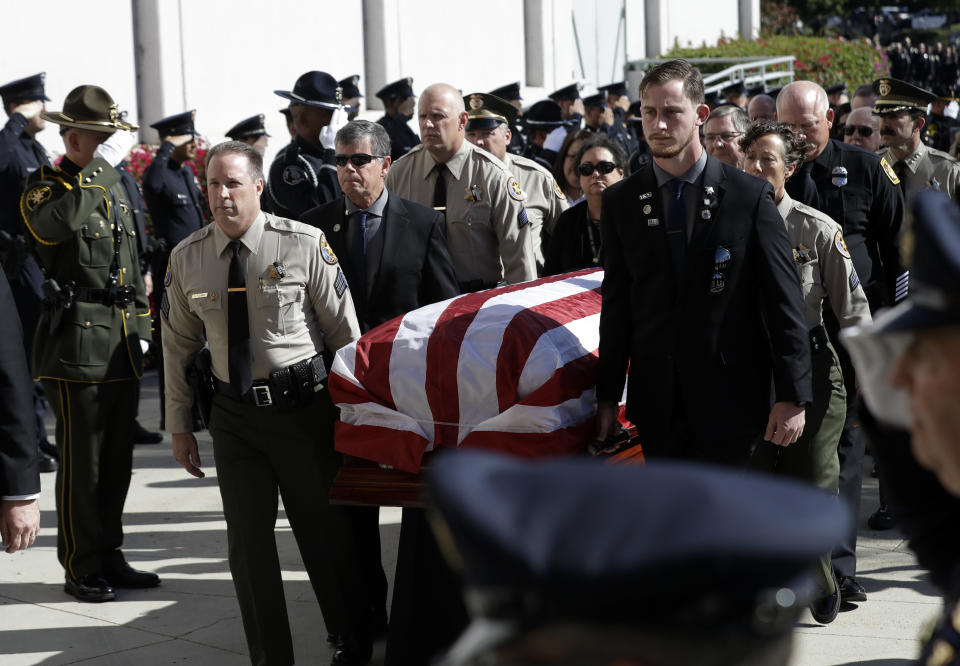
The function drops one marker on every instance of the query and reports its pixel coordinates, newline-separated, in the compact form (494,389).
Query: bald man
(863,129)
(762,107)
(488,230)
(861,192)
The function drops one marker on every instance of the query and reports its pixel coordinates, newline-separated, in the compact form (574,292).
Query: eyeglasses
(863,129)
(726,137)
(602,168)
(357,159)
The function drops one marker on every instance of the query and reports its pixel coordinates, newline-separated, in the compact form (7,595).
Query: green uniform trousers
(95,443)
(813,457)
(260,451)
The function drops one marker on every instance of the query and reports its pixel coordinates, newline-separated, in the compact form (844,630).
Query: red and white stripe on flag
(512,369)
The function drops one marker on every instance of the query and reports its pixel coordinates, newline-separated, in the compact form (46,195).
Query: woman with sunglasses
(575,243)
(772,151)
(565,168)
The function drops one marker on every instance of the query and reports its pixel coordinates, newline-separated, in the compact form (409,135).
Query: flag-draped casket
(512,368)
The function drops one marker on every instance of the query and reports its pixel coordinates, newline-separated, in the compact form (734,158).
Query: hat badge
(114,113)
(339,94)
(884,88)
(476,102)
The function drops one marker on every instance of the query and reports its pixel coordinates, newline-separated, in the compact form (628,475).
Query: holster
(201,380)
(56,300)
(293,386)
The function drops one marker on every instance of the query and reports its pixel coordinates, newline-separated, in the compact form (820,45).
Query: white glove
(554,140)
(114,149)
(144,345)
(329,133)
(874,356)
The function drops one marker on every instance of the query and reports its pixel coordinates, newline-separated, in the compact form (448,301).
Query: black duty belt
(122,295)
(287,388)
(475,285)
(818,340)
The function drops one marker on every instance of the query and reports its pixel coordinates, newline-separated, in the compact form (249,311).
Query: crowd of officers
(489,193)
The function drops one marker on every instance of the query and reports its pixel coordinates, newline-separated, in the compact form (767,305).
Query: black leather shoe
(46,463)
(851,590)
(91,589)
(882,519)
(352,650)
(127,576)
(49,449)
(826,608)
(143,436)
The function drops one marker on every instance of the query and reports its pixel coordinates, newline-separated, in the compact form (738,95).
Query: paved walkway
(174,527)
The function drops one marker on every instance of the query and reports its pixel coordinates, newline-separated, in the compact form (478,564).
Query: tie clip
(230,289)
(440,208)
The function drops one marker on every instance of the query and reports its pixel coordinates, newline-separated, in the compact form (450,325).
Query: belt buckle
(262,396)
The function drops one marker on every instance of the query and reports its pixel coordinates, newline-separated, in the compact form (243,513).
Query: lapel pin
(646,209)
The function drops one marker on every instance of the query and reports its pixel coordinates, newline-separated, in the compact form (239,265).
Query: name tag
(200,295)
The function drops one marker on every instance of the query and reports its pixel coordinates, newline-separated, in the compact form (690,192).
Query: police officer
(736,94)
(578,562)
(511,93)
(546,130)
(488,127)
(270,298)
(860,191)
(251,131)
(772,151)
(351,95)
(20,155)
(90,338)
(618,101)
(571,104)
(902,110)
(488,227)
(398,106)
(302,175)
(174,199)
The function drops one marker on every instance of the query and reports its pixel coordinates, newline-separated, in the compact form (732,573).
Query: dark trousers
(95,443)
(260,452)
(365,524)
(28,294)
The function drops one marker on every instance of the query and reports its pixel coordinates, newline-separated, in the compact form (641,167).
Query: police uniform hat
(29,88)
(286,113)
(401,89)
(249,128)
(176,125)
(91,108)
(634,110)
(485,111)
(597,101)
(734,89)
(895,96)
(836,89)
(315,89)
(666,544)
(351,86)
(754,91)
(943,92)
(618,88)
(773,92)
(545,114)
(510,92)
(711,98)
(567,93)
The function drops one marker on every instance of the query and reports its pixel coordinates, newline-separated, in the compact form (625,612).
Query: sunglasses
(863,129)
(602,168)
(357,159)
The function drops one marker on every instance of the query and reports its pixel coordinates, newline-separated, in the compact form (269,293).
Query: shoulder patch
(887,169)
(514,190)
(854,279)
(37,196)
(165,306)
(841,244)
(340,284)
(522,219)
(327,252)
(168,276)
(294,175)
(558,191)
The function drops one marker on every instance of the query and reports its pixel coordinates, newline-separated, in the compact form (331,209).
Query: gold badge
(326,251)
(841,244)
(473,193)
(37,196)
(887,169)
(558,191)
(278,271)
(476,102)
(514,190)
(884,87)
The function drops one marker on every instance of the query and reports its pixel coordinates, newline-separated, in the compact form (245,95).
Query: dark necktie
(808,186)
(238,325)
(900,168)
(677,227)
(440,190)
(358,248)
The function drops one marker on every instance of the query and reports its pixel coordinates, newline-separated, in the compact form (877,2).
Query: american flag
(512,369)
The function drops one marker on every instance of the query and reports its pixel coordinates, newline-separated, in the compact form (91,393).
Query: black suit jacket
(702,349)
(415,268)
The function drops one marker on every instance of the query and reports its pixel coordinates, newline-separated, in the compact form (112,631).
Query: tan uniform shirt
(544,198)
(824,265)
(927,169)
(488,228)
(292,317)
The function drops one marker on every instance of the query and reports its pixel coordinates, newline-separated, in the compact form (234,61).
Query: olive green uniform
(826,271)
(488,228)
(544,199)
(298,306)
(927,169)
(88,356)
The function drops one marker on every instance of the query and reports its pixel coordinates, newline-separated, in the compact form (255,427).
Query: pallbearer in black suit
(398,106)
(251,131)
(700,295)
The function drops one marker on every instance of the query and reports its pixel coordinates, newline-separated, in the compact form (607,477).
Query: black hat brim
(286,94)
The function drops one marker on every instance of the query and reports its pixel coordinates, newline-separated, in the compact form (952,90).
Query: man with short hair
(90,338)
(699,278)
(722,132)
(399,104)
(762,107)
(863,129)
(488,227)
(251,131)
(488,127)
(269,297)
(863,96)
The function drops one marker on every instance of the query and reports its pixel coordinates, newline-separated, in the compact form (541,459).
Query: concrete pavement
(174,526)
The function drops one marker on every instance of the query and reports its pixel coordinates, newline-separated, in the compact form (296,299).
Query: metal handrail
(749,70)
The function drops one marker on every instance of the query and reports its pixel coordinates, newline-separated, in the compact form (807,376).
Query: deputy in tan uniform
(903,114)
(488,227)
(772,151)
(270,296)
(488,127)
